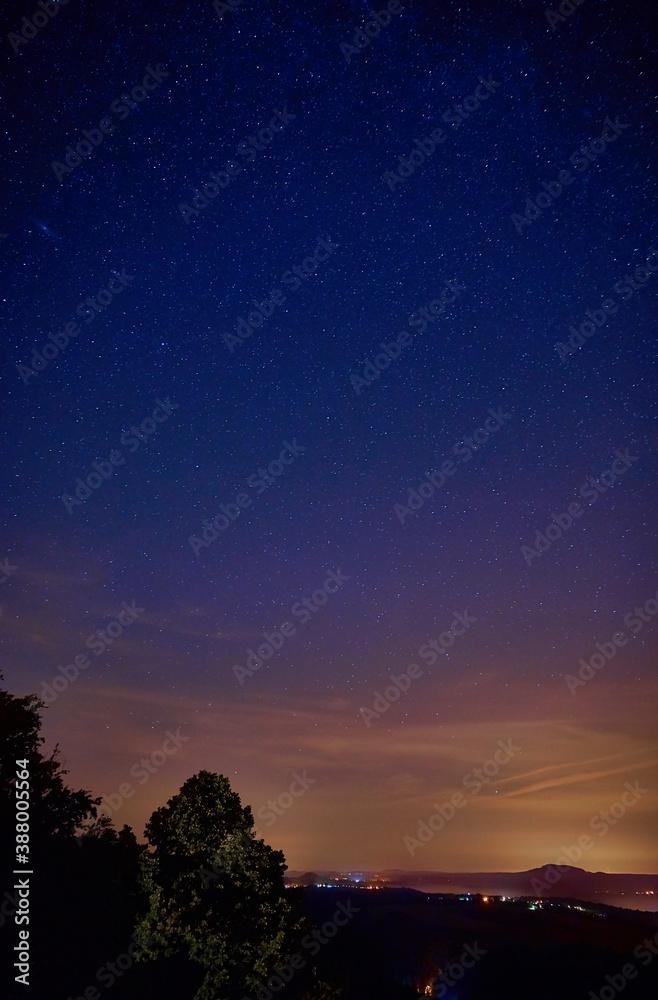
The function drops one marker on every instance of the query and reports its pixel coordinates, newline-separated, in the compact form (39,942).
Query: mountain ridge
(640,891)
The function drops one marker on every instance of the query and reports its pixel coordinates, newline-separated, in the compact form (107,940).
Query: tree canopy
(56,810)
(216,893)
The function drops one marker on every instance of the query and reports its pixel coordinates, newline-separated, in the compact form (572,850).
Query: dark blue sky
(162,337)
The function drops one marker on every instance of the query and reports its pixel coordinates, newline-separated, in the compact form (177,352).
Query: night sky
(311,435)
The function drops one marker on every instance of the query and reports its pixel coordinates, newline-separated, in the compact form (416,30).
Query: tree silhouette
(83,894)
(216,894)
(55,810)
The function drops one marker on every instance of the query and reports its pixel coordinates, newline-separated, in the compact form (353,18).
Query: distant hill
(629,890)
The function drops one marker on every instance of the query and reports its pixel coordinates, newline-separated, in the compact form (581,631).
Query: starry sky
(316,446)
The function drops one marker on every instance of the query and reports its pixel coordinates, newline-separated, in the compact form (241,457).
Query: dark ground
(401,939)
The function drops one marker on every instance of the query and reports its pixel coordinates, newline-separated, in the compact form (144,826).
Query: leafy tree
(216,893)
(55,809)
(83,896)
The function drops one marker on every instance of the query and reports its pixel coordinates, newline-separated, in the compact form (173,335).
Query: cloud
(580,777)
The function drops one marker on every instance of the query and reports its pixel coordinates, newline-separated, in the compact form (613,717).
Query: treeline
(199,911)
